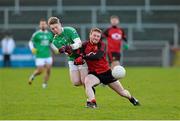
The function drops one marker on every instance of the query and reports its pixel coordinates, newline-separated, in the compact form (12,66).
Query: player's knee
(115,63)
(39,71)
(48,71)
(82,79)
(87,83)
(77,83)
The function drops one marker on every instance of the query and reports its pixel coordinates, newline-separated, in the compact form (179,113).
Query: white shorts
(44,61)
(73,67)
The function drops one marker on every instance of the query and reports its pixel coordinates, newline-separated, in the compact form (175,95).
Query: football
(118,72)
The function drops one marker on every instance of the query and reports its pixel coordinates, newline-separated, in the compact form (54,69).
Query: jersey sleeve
(51,37)
(33,41)
(105,33)
(124,36)
(34,37)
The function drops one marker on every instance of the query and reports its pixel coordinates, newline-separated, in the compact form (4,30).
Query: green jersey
(66,38)
(41,41)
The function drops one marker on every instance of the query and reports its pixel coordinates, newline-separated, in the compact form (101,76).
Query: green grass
(158,90)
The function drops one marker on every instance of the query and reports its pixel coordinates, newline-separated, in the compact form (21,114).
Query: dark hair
(42,19)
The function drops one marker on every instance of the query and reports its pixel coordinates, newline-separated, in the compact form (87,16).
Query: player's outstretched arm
(32,48)
(54,48)
(69,48)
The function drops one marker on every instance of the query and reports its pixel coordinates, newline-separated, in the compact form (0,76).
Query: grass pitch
(158,90)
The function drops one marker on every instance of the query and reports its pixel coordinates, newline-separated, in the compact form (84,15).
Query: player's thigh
(75,77)
(117,86)
(91,80)
(40,68)
(83,74)
(83,69)
(74,72)
(48,61)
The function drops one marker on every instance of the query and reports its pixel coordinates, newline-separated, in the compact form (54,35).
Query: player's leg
(75,77)
(37,71)
(115,59)
(6,60)
(114,63)
(46,76)
(47,72)
(117,87)
(91,81)
(74,74)
(83,69)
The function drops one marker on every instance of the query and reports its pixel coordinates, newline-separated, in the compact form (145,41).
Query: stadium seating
(26,17)
(75,17)
(22,34)
(1,17)
(142,58)
(84,17)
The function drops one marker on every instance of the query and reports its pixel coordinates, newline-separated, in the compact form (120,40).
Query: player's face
(43,25)
(114,21)
(95,37)
(56,28)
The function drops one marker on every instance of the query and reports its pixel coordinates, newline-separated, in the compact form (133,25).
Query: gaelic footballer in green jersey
(40,46)
(67,40)
(41,41)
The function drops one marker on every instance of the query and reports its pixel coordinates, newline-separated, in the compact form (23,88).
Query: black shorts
(105,77)
(114,56)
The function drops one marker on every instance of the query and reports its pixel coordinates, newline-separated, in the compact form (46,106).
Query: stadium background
(152,26)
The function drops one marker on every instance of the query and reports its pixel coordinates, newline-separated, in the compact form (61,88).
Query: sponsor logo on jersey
(116,36)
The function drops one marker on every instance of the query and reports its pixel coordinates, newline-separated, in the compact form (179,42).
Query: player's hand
(68,49)
(56,51)
(62,49)
(34,50)
(79,61)
(126,46)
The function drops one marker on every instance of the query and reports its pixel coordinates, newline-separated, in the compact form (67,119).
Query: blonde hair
(95,29)
(53,20)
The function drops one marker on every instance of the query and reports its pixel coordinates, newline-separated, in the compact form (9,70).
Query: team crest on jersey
(116,36)
(45,37)
(45,43)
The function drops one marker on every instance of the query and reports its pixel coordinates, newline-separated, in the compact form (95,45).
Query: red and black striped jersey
(115,37)
(95,56)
